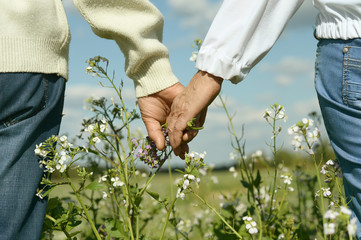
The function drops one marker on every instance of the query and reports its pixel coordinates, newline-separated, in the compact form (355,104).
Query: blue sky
(284,76)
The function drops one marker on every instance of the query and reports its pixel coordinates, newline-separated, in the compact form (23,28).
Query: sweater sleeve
(136,26)
(241,34)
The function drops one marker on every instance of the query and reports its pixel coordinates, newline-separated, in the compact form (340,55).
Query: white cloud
(290,65)
(289,68)
(284,80)
(305,107)
(196,15)
(240,114)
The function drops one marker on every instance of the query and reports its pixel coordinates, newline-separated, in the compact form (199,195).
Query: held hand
(155,109)
(191,103)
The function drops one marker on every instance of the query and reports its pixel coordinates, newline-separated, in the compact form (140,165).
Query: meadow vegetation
(128,189)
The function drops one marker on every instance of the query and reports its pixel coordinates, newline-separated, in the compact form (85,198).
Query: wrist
(210,76)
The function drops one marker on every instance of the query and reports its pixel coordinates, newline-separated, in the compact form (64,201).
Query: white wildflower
(281,114)
(103,178)
(193,58)
(240,207)
(90,128)
(96,140)
(296,142)
(214,179)
(61,167)
(232,156)
(202,155)
(307,122)
(351,227)
(49,169)
(39,195)
(104,125)
(185,184)
(329,228)
(326,192)
(180,194)
(287,179)
(105,195)
(257,154)
(88,70)
(323,170)
(293,129)
(345,210)
(330,162)
(190,176)
(250,225)
(313,136)
(63,138)
(330,214)
(117,182)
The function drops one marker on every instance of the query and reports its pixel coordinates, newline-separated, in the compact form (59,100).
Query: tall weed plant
(112,197)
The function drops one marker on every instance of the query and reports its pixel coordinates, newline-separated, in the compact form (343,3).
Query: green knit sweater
(35,37)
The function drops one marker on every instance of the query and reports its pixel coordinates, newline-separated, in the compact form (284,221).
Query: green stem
(170,179)
(245,168)
(274,151)
(95,231)
(321,193)
(167,218)
(259,221)
(319,182)
(219,215)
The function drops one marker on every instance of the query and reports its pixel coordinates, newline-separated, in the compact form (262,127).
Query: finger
(189,135)
(176,126)
(155,133)
(181,150)
(202,117)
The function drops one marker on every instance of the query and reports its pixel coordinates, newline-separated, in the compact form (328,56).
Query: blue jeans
(30,112)
(338,85)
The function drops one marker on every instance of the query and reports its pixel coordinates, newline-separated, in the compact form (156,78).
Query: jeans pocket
(23,96)
(351,92)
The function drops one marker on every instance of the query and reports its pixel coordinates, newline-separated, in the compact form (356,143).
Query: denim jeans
(30,112)
(338,86)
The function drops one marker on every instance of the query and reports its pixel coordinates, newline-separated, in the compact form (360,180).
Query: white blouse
(243,31)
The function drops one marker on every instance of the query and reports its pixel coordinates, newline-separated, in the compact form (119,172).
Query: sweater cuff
(153,76)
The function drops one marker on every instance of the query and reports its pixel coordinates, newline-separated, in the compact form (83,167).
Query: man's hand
(192,102)
(155,109)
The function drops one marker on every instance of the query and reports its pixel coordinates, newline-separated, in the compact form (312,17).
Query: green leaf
(94,186)
(75,233)
(153,194)
(137,200)
(245,184)
(114,228)
(257,181)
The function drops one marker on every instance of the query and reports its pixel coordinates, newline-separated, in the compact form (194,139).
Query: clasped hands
(177,105)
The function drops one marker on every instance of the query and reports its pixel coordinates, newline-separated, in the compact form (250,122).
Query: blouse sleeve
(241,34)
